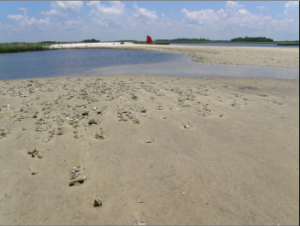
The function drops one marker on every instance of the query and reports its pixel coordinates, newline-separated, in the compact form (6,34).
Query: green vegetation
(123,40)
(52,42)
(183,40)
(155,42)
(22,47)
(122,43)
(91,40)
(252,39)
(296,43)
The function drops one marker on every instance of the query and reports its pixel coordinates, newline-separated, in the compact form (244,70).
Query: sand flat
(222,150)
(228,55)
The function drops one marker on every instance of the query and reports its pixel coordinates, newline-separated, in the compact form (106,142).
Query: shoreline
(166,150)
(246,56)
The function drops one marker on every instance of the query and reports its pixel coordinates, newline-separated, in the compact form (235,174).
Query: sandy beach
(155,150)
(228,55)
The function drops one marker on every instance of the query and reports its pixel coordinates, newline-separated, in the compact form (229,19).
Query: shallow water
(191,69)
(70,62)
(89,62)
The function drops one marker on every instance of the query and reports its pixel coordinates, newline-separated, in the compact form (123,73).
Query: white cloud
(262,7)
(108,17)
(292,9)
(98,10)
(236,20)
(143,13)
(74,22)
(204,16)
(22,8)
(62,8)
(24,20)
(233,6)
(115,21)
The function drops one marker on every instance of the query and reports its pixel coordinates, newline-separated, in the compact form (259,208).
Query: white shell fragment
(141,222)
(148,141)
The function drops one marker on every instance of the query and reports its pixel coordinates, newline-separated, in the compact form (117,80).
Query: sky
(34,21)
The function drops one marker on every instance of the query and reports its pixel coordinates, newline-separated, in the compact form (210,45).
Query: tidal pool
(89,62)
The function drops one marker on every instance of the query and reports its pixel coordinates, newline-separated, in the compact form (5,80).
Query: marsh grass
(22,47)
(155,42)
(288,43)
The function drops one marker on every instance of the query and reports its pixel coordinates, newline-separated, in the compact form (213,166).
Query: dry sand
(229,55)
(222,151)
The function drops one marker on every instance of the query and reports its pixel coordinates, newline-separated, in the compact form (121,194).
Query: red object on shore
(149,39)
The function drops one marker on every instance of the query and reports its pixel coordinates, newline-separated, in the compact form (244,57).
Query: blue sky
(32,21)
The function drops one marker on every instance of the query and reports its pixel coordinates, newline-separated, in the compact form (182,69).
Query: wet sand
(232,55)
(162,149)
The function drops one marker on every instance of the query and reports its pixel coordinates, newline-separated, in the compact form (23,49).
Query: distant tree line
(183,39)
(124,40)
(91,40)
(50,42)
(252,39)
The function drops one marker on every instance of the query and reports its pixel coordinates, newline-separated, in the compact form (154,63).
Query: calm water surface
(89,62)
(74,62)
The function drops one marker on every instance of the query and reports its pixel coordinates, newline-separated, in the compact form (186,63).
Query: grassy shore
(22,47)
(25,47)
(155,42)
(288,43)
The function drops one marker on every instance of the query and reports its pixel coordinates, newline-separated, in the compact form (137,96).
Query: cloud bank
(114,21)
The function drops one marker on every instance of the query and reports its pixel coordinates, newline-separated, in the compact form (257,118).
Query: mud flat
(250,56)
(149,150)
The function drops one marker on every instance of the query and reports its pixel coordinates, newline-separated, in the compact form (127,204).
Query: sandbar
(154,149)
(228,55)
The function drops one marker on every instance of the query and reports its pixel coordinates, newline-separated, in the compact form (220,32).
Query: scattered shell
(101,137)
(31,151)
(34,153)
(263,95)
(93,122)
(186,126)
(136,121)
(141,222)
(34,173)
(40,155)
(60,133)
(97,202)
(148,141)
(76,169)
(39,129)
(76,172)
(80,179)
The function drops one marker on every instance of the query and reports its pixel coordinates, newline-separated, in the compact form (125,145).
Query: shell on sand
(97,202)
(31,151)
